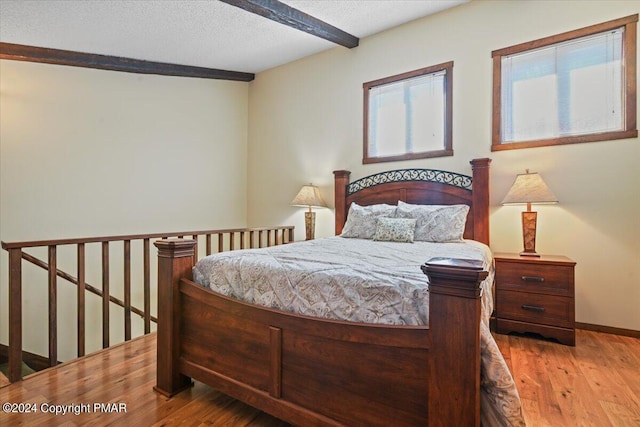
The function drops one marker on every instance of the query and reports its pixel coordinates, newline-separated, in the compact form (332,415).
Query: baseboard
(608,330)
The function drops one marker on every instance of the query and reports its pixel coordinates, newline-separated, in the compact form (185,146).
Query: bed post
(341,180)
(175,260)
(480,168)
(454,319)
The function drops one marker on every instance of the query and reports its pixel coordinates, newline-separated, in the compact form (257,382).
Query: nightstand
(535,294)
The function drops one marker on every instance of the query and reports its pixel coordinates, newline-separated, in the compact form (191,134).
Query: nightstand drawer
(536,308)
(536,277)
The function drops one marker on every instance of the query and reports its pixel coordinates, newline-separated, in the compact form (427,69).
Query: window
(408,116)
(573,87)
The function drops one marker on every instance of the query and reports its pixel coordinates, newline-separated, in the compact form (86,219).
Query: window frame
(447,149)
(629,94)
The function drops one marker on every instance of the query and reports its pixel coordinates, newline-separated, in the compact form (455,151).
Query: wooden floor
(596,383)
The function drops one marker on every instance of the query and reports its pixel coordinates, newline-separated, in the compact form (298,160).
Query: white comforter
(362,281)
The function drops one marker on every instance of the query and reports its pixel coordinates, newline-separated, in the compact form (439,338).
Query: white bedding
(358,280)
(362,280)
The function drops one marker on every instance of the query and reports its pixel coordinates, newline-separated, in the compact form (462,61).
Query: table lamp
(529,188)
(309,196)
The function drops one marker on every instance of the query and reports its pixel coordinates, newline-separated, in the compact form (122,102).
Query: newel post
(454,323)
(15,314)
(175,261)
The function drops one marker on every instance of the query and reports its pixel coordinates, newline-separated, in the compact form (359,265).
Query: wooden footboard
(314,372)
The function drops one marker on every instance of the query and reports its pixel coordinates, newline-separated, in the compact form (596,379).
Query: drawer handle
(532,308)
(533,279)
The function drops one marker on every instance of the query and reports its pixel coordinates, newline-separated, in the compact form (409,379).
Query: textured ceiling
(205,33)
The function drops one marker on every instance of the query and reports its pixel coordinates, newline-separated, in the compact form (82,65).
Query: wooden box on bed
(318,372)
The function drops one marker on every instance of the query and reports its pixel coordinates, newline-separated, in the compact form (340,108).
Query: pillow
(410,206)
(362,220)
(436,223)
(395,229)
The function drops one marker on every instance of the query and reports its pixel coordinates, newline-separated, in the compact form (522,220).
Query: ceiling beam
(18,52)
(287,15)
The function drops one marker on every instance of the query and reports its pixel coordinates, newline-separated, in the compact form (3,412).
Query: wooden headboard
(423,187)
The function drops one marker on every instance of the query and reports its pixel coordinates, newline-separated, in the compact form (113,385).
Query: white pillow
(395,229)
(411,206)
(436,223)
(362,220)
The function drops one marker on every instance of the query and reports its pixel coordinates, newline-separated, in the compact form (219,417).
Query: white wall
(306,121)
(93,153)
(86,152)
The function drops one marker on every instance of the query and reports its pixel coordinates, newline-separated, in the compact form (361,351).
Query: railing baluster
(195,249)
(105,294)
(127,290)
(81,299)
(147,287)
(15,314)
(53,306)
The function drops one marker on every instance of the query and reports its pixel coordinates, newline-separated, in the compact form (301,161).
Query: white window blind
(407,116)
(566,89)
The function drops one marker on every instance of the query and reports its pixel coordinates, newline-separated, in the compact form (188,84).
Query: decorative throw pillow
(436,223)
(361,220)
(395,229)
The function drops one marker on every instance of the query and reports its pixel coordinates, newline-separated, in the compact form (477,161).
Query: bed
(327,371)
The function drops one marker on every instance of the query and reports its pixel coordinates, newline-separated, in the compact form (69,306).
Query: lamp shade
(529,188)
(309,195)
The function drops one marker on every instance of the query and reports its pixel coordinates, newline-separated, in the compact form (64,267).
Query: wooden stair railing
(227,239)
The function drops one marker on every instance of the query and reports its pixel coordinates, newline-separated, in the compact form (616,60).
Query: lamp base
(529,220)
(532,254)
(310,224)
